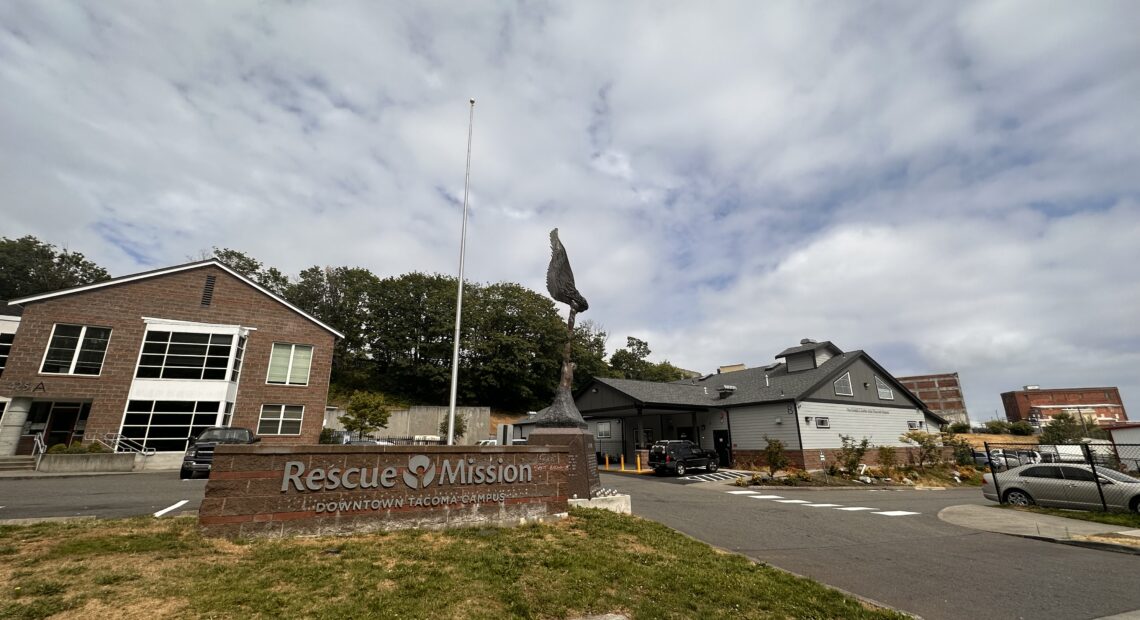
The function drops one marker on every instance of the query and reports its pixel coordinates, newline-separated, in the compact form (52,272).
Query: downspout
(795,411)
(731,447)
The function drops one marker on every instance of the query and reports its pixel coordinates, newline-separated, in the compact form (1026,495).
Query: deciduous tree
(29,266)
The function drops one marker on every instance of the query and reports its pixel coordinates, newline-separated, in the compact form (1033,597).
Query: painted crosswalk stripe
(766,496)
(856,508)
(792,501)
(894,513)
(169,508)
(822,505)
(742,492)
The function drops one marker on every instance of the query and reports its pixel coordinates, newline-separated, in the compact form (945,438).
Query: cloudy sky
(949,186)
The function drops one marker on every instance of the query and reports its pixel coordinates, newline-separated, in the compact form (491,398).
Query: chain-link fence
(1099,475)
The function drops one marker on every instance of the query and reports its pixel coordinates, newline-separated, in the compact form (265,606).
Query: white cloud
(952,184)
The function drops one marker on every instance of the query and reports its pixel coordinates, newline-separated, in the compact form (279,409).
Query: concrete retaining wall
(62,463)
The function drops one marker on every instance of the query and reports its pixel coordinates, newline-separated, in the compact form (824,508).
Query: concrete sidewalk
(33,475)
(1044,527)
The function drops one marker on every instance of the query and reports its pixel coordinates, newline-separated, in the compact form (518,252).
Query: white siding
(712,421)
(821,356)
(881,425)
(1126,435)
(751,424)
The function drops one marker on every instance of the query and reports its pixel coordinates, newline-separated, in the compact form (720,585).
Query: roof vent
(1033,387)
(808,341)
(725,391)
(208,290)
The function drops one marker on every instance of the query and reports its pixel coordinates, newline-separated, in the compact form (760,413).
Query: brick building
(157,356)
(1095,405)
(942,393)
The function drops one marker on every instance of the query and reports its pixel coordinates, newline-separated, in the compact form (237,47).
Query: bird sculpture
(560,278)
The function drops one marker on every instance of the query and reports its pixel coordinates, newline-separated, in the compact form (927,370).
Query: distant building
(941,392)
(1097,405)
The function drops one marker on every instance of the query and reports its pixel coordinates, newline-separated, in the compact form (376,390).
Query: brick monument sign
(328,489)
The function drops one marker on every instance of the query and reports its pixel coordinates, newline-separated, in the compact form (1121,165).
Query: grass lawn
(594,562)
(1126,519)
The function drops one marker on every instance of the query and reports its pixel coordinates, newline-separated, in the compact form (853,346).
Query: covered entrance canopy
(628,416)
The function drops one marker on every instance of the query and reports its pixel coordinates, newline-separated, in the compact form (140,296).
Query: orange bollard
(607,462)
(623,462)
(639,463)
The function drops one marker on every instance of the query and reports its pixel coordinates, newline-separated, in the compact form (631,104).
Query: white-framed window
(289,364)
(76,350)
(227,417)
(604,430)
(168,425)
(843,385)
(885,391)
(914,425)
(823,422)
(184,355)
(280,420)
(5,349)
(237,359)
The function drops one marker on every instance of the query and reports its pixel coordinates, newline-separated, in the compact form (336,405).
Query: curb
(1087,544)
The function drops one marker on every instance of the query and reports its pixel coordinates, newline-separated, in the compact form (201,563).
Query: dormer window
(842,385)
(885,391)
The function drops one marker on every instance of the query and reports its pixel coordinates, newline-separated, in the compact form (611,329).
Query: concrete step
(17,463)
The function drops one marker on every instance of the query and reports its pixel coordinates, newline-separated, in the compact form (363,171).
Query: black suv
(200,455)
(678,455)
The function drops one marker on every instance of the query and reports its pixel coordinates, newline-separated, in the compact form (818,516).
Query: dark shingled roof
(750,385)
(6,310)
(810,346)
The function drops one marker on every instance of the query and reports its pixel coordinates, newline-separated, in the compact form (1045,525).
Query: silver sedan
(1063,485)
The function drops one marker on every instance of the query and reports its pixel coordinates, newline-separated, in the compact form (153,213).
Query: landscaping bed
(939,475)
(593,562)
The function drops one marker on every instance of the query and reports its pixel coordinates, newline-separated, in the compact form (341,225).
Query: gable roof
(175,269)
(751,385)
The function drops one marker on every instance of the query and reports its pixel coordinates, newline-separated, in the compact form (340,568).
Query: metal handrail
(119,443)
(38,448)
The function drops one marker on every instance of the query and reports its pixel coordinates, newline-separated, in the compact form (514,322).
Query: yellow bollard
(639,463)
(623,462)
(607,462)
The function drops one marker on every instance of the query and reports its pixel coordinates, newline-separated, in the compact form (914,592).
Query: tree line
(399,330)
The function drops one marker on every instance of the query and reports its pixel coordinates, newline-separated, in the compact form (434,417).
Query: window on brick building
(5,349)
(280,420)
(289,364)
(181,355)
(76,350)
(168,425)
(237,359)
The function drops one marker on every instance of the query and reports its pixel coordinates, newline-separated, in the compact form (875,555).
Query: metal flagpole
(459,295)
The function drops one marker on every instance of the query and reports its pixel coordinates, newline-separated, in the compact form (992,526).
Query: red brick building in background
(1095,405)
(155,357)
(942,393)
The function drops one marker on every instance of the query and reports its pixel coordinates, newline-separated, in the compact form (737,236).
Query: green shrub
(888,458)
(960,427)
(851,454)
(97,448)
(774,454)
(1021,427)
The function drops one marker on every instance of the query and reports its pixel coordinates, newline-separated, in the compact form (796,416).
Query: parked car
(487,442)
(199,457)
(1063,485)
(678,456)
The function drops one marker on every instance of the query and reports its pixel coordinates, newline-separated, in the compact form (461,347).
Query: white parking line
(767,496)
(856,508)
(729,492)
(823,505)
(792,501)
(894,513)
(168,509)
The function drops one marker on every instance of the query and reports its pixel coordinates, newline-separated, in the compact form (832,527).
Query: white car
(487,442)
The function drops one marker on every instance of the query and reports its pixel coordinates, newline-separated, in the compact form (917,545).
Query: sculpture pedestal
(582,478)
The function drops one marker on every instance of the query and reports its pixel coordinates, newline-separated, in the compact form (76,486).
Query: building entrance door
(723,447)
(61,423)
